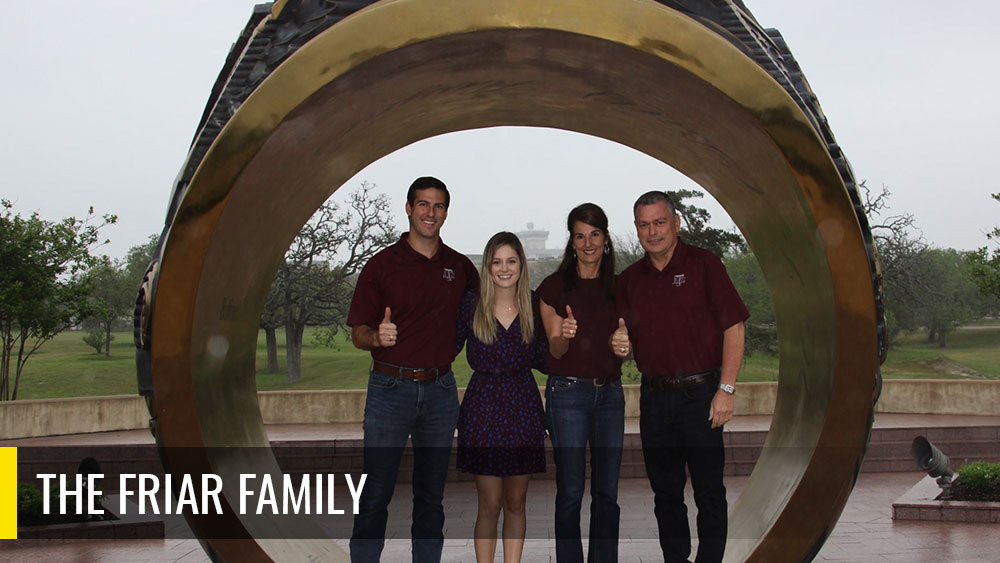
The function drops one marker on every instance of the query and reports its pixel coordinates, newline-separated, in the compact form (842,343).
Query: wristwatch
(727,388)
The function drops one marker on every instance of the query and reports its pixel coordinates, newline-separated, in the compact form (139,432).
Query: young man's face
(657,228)
(427,213)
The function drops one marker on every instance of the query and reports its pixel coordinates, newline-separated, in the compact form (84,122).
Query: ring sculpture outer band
(631,71)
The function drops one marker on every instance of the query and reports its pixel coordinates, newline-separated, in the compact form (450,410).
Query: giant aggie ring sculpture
(315,91)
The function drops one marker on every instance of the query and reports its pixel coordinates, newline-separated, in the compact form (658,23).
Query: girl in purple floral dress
(501,425)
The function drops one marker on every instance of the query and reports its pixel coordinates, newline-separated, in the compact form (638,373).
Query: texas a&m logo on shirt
(449,274)
(679,280)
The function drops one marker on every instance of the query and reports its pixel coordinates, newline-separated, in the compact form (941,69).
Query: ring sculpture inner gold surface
(301,107)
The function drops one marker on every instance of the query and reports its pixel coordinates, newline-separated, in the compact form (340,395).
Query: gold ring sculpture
(698,85)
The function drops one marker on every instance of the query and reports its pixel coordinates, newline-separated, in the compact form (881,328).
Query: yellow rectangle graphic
(8,493)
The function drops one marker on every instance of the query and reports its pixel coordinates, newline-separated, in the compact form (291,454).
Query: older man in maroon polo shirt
(404,311)
(683,320)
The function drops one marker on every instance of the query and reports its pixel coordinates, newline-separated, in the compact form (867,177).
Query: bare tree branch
(315,281)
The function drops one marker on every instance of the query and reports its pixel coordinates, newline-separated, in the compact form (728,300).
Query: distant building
(534,244)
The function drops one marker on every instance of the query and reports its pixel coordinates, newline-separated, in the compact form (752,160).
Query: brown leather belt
(414,374)
(596,382)
(681,381)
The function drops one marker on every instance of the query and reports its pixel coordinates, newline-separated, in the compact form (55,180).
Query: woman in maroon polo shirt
(501,424)
(583,396)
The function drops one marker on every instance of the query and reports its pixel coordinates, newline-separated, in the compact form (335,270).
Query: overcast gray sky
(102,98)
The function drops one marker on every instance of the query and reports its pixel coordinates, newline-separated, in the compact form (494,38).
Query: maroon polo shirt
(423,296)
(675,317)
(589,355)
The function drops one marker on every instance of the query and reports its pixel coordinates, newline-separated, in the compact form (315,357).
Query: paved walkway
(864,533)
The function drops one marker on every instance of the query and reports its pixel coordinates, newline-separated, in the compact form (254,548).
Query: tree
(900,248)
(115,284)
(748,278)
(96,338)
(985,266)
(42,289)
(540,269)
(271,320)
(113,298)
(137,260)
(923,287)
(949,297)
(628,251)
(313,286)
(695,229)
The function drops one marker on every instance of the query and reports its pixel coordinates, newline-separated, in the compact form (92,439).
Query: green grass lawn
(66,367)
(971,353)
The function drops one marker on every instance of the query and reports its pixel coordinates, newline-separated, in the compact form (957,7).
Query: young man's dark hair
(424,182)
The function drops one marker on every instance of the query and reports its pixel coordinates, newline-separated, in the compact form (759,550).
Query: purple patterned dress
(501,424)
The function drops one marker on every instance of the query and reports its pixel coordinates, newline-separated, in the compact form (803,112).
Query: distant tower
(534,243)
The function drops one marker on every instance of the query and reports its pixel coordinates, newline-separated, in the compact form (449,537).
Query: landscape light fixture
(935,463)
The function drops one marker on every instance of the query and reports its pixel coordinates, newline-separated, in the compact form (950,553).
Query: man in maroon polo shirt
(682,319)
(404,310)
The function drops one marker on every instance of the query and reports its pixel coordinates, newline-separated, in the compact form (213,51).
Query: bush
(761,339)
(29,502)
(30,508)
(97,339)
(630,373)
(978,481)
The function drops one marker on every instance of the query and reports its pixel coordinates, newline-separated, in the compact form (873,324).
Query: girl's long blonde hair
(484,323)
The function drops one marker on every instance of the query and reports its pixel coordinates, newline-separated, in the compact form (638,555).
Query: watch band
(727,388)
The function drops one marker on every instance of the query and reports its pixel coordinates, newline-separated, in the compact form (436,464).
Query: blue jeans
(676,432)
(577,413)
(395,410)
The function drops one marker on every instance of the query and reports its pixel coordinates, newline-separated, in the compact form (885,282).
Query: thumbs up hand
(569,325)
(620,343)
(386,335)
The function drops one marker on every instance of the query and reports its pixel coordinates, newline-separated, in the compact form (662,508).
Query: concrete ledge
(755,398)
(940,396)
(312,407)
(52,417)
(919,503)
(317,407)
